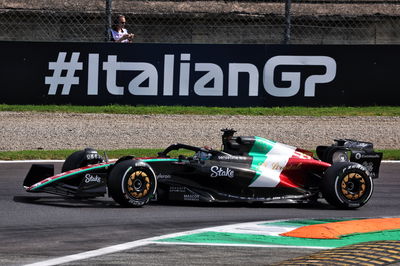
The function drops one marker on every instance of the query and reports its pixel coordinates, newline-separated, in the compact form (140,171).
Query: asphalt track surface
(34,230)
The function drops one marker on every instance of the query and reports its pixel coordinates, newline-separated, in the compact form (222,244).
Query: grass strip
(201,110)
(62,154)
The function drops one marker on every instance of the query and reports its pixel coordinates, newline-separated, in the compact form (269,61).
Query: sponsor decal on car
(89,178)
(92,156)
(359,156)
(177,189)
(163,176)
(217,171)
(140,164)
(191,197)
(232,157)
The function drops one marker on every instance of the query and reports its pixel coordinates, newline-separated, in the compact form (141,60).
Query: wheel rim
(138,184)
(353,186)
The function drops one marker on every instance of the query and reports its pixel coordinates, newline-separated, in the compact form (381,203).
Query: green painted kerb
(245,239)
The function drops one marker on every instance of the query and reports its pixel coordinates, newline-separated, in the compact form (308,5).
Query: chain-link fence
(206,21)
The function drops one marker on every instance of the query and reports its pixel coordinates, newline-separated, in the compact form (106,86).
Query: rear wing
(358,151)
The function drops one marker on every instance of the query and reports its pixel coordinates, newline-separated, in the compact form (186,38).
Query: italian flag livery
(277,164)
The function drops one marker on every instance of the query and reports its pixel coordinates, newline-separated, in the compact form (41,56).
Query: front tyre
(132,183)
(347,185)
(80,159)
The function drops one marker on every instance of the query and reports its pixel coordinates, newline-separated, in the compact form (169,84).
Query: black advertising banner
(199,74)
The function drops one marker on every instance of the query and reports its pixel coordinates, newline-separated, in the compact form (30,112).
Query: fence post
(108,19)
(286,37)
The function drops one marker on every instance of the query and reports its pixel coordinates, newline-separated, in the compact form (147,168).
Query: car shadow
(58,201)
(319,205)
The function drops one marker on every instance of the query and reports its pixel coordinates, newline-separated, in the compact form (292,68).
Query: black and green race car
(246,169)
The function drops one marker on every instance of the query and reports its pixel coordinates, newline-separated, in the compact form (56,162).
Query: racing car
(245,169)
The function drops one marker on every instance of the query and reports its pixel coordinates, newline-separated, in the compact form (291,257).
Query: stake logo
(92,178)
(186,77)
(222,171)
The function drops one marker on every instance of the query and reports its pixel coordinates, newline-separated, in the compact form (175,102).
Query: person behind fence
(118,32)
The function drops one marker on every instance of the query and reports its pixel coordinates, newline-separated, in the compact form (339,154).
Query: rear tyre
(131,183)
(347,185)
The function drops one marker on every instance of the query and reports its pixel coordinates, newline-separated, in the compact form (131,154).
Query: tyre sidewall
(79,159)
(73,161)
(117,183)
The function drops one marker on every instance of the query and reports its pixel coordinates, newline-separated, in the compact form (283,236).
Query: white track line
(92,253)
(33,161)
(110,249)
(153,240)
